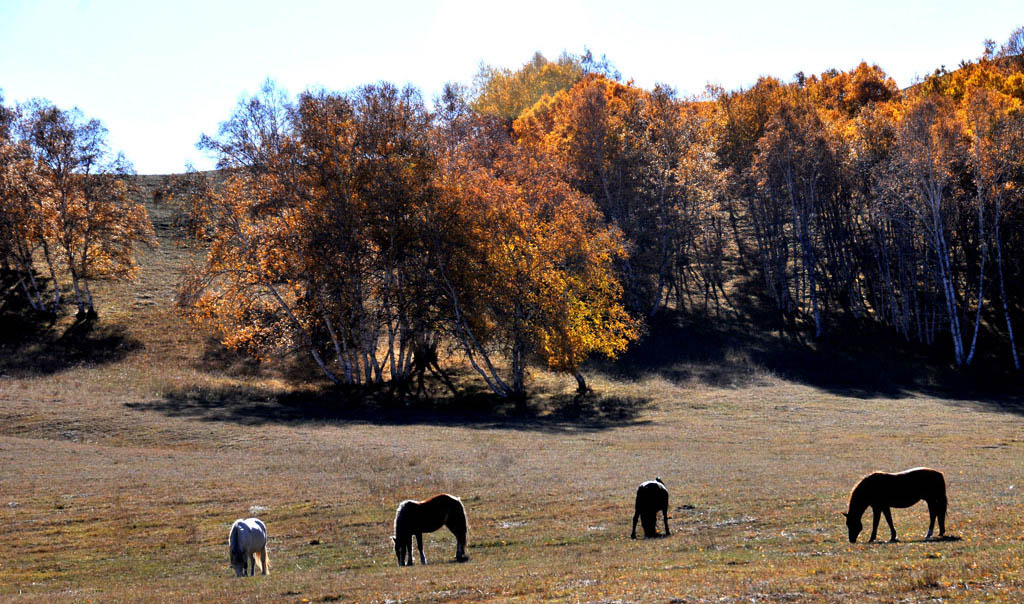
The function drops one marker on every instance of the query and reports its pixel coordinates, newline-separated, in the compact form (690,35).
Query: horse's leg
(664,513)
(456,523)
(876,514)
(263,558)
(460,547)
(892,529)
(252,563)
(408,549)
(932,514)
(941,513)
(419,546)
(645,523)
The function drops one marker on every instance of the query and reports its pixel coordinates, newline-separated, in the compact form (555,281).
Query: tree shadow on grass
(473,408)
(32,347)
(217,358)
(732,355)
(753,346)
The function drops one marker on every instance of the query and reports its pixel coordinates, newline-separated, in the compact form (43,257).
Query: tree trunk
(581,384)
(981,276)
(1002,288)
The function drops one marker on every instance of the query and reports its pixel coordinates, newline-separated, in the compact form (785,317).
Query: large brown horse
(882,490)
(418,517)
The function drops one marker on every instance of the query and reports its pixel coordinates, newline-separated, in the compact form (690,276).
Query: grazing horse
(418,517)
(247,539)
(651,496)
(882,491)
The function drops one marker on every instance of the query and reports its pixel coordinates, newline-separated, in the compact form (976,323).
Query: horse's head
(238,562)
(235,553)
(853,525)
(400,552)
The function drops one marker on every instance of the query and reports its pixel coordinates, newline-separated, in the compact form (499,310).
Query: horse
(651,496)
(882,490)
(418,517)
(247,539)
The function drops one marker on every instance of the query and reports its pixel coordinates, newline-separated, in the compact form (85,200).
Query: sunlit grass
(110,490)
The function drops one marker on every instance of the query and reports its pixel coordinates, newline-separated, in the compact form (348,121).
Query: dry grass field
(127,451)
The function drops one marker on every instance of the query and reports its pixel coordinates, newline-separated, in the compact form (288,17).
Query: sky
(161,74)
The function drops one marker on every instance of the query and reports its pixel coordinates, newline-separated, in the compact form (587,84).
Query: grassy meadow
(127,450)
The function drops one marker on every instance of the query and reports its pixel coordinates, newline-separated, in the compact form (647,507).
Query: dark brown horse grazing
(418,517)
(651,496)
(882,491)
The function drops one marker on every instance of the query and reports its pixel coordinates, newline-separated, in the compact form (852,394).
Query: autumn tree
(23,227)
(995,128)
(929,146)
(504,93)
(312,237)
(645,158)
(21,196)
(745,115)
(524,262)
(798,183)
(892,256)
(69,200)
(356,228)
(799,175)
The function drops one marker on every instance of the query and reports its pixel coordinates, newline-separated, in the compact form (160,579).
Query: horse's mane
(858,486)
(853,491)
(398,513)
(234,547)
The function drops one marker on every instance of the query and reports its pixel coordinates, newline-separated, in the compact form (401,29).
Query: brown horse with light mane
(418,517)
(882,490)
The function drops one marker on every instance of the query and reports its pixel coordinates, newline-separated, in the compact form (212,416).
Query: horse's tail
(458,522)
(940,484)
(460,511)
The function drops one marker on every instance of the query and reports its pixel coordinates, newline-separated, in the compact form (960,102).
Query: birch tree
(79,200)
(929,145)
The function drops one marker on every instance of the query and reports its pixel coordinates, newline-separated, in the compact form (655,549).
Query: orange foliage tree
(358,228)
(68,199)
(646,159)
(311,239)
(524,261)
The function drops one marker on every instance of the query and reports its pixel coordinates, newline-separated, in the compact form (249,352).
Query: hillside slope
(127,451)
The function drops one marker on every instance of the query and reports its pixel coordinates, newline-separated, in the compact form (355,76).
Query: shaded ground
(750,344)
(474,409)
(33,346)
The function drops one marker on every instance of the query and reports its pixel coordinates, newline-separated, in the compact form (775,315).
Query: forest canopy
(544,215)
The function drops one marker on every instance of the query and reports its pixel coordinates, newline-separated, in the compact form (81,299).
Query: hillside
(127,450)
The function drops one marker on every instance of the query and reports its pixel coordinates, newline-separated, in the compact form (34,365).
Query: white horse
(247,538)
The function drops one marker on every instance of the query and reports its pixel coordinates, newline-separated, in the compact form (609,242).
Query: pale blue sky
(159,74)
